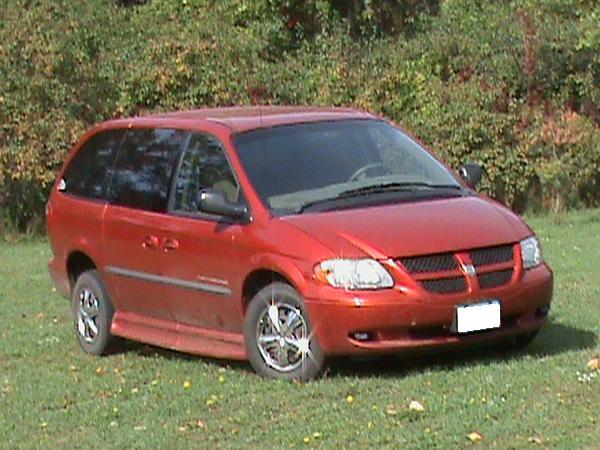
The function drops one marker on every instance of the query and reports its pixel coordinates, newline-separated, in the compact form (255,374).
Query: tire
(92,313)
(287,351)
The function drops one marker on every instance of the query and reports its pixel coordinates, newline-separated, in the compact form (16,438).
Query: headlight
(531,252)
(354,274)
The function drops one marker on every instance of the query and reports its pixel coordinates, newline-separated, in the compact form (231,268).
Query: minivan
(285,236)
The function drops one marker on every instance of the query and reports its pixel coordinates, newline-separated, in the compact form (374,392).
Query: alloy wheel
(87,316)
(282,337)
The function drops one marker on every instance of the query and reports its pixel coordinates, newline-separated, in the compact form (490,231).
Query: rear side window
(204,165)
(142,173)
(88,171)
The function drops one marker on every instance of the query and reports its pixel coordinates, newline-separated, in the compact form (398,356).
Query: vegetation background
(514,85)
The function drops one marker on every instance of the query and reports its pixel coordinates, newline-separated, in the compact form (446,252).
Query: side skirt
(180,337)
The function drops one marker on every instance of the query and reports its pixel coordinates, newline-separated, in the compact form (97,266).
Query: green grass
(52,395)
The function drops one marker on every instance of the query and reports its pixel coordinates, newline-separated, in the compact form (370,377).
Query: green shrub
(501,83)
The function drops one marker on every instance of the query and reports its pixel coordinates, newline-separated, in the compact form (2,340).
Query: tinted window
(204,165)
(87,173)
(295,165)
(144,166)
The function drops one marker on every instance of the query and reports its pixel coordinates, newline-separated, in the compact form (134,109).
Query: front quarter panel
(276,246)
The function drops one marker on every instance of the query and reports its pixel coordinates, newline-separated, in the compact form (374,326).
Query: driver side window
(204,165)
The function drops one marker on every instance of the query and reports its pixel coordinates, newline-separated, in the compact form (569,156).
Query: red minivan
(285,236)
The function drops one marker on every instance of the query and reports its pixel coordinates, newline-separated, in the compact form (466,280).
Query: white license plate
(478,316)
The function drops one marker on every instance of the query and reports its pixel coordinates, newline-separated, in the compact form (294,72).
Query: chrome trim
(194,285)
(282,336)
(469,269)
(88,309)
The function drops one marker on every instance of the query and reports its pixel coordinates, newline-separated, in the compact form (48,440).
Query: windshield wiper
(394,186)
(376,189)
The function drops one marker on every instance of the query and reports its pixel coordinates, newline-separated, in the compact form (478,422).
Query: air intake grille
(442,274)
(494,279)
(491,255)
(452,285)
(432,263)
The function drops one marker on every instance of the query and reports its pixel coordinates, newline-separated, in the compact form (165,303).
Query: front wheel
(278,336)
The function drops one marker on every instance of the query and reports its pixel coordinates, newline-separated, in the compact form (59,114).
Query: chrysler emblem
(469,269)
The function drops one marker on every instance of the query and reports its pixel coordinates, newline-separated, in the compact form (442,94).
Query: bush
(513,85)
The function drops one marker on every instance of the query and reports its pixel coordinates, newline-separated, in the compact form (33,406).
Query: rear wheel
(278,336)
(92,313)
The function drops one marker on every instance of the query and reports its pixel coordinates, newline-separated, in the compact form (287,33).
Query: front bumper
(397,320)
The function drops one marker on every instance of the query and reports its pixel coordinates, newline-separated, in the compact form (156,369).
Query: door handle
(150,242)
(170,244)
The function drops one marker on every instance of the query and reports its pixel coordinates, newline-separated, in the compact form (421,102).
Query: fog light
(361,336)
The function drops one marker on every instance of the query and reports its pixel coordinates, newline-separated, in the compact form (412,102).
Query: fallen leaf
(475,436)
(390,410)
(416,406)
(594,363)
(536,439)
(200,423)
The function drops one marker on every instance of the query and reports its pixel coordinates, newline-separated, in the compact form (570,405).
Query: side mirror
(471,173)
(214,201)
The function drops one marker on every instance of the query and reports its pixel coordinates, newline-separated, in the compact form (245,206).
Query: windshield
(296,166)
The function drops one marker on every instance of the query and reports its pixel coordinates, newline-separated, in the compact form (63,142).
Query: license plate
(478,316)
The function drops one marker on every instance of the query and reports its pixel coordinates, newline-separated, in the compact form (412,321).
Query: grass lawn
(52,395)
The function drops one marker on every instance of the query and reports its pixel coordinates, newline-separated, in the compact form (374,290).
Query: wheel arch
(258,279)
(271,268)
(78,262)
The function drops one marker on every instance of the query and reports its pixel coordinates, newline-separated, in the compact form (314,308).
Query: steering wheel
(369,167)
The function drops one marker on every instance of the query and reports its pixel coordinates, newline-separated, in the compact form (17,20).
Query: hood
(410,229)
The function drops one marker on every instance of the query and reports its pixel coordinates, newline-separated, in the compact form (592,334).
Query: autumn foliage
(512,85)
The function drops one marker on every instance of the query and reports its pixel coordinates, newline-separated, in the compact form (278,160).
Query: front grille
(491,255)
(441,273)
(494,279)
(433,263)
(452,285)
